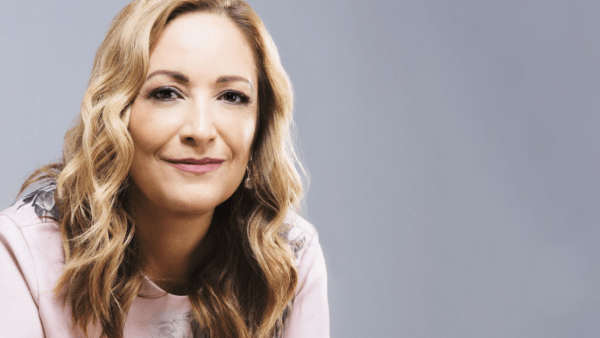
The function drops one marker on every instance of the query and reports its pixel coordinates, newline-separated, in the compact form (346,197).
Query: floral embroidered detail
(174,325)
(295,238)
(43,201)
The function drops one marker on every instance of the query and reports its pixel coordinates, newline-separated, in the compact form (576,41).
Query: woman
(172,211)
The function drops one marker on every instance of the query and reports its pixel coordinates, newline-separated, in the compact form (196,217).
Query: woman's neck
(169,244)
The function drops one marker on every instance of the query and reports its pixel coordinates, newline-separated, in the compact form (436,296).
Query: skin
(206,116)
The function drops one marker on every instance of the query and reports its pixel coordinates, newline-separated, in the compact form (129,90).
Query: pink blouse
(32,257)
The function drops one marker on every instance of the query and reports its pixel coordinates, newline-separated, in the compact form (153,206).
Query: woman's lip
(206,160)
(196,168)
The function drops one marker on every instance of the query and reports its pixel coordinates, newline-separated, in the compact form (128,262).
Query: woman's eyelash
(171,94)
(164,94)
(235,97)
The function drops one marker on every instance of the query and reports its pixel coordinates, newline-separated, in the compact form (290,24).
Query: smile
(196,166)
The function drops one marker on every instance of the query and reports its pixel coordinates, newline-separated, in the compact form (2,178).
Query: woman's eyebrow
(234,78)
(176,75)
(184,79)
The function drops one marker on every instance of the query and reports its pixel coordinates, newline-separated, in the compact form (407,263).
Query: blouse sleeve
(310,311)
(19,315)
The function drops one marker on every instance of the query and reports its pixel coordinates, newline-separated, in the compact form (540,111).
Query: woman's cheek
(249,130)
(153,128)
(245,129)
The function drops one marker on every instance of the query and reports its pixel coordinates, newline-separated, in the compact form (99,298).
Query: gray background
(453,149)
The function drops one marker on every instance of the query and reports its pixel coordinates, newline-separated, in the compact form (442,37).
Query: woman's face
(194,119)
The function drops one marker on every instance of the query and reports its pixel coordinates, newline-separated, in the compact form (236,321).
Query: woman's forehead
(204,44)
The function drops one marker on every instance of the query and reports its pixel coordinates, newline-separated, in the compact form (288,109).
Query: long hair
(246,285)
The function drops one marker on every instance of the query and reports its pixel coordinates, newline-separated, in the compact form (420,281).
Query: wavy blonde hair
(245,288)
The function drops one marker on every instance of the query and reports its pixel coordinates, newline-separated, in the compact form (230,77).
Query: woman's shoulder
(33,239)
(34,218)
(300,225)
(300,234)
(32,259)
(38,207)
(310,313)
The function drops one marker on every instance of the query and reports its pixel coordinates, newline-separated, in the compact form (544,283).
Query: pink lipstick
(198,166)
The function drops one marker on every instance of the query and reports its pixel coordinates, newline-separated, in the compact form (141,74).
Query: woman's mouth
(198,166)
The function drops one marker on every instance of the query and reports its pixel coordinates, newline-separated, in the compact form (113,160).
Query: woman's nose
(199,127)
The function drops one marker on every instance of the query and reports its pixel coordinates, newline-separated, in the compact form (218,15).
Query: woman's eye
(235,97)
(165,94)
